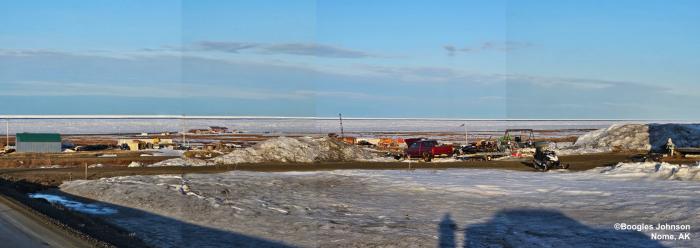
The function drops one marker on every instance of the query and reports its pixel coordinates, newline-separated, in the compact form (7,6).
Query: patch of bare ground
(55,176)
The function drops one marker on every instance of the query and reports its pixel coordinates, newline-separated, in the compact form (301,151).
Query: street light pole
(466,136)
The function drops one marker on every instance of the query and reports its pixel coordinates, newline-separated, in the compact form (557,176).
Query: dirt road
(54,177)
(19,228)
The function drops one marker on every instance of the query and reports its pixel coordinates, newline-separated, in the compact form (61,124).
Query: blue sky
(449,59)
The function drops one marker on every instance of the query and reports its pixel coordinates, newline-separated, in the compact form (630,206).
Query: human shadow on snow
(537,228)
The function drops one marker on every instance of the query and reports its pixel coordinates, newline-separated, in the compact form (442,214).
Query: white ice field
(290,125)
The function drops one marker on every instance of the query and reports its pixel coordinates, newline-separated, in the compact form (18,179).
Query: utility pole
(342,132)
(466,135)
(7,133)
(184,131)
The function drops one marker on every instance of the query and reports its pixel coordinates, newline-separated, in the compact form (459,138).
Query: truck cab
(426,149)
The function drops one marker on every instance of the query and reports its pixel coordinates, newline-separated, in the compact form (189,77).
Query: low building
(211,130)
(140,144)
(217,129)
(199,131)
(132,144)
(38,142)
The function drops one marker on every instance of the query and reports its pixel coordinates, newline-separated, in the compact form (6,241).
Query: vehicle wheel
(548,166)
(427,157)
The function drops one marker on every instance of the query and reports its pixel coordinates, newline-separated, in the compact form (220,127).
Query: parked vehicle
(546,159)
(426,149)
(518,138)
(480,146)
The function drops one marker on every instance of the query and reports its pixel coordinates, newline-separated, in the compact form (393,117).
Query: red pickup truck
(426,149)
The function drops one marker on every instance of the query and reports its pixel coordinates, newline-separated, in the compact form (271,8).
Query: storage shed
(38,142)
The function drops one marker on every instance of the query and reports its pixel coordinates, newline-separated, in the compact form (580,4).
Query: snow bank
(135,164)
(299,150)
(184,162)
(165,152)
(581,150)
(652,170)
(641,137)
(95,209)
(618,136)
(96,166)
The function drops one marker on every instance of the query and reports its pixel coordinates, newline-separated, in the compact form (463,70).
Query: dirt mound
(298,150)
(641,137)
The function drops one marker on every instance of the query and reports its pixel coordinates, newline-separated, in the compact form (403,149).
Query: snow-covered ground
(479,208)
(94,209)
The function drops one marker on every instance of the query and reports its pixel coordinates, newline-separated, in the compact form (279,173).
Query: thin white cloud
(172,90)
(256,70)
(506,46)
(577,83)
(344,95)
(302,49)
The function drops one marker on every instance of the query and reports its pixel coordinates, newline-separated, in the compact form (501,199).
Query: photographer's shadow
(539,228)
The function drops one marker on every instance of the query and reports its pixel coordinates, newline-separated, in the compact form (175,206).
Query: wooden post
(86,166)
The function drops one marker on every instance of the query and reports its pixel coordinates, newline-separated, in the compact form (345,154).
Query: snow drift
(135,164)
(181,162)
(299,150)
(641,137)
(652,170)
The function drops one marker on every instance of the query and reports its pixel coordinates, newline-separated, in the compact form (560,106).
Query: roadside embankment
(95,231)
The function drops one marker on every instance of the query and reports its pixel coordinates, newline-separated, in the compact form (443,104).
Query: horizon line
(315,118)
